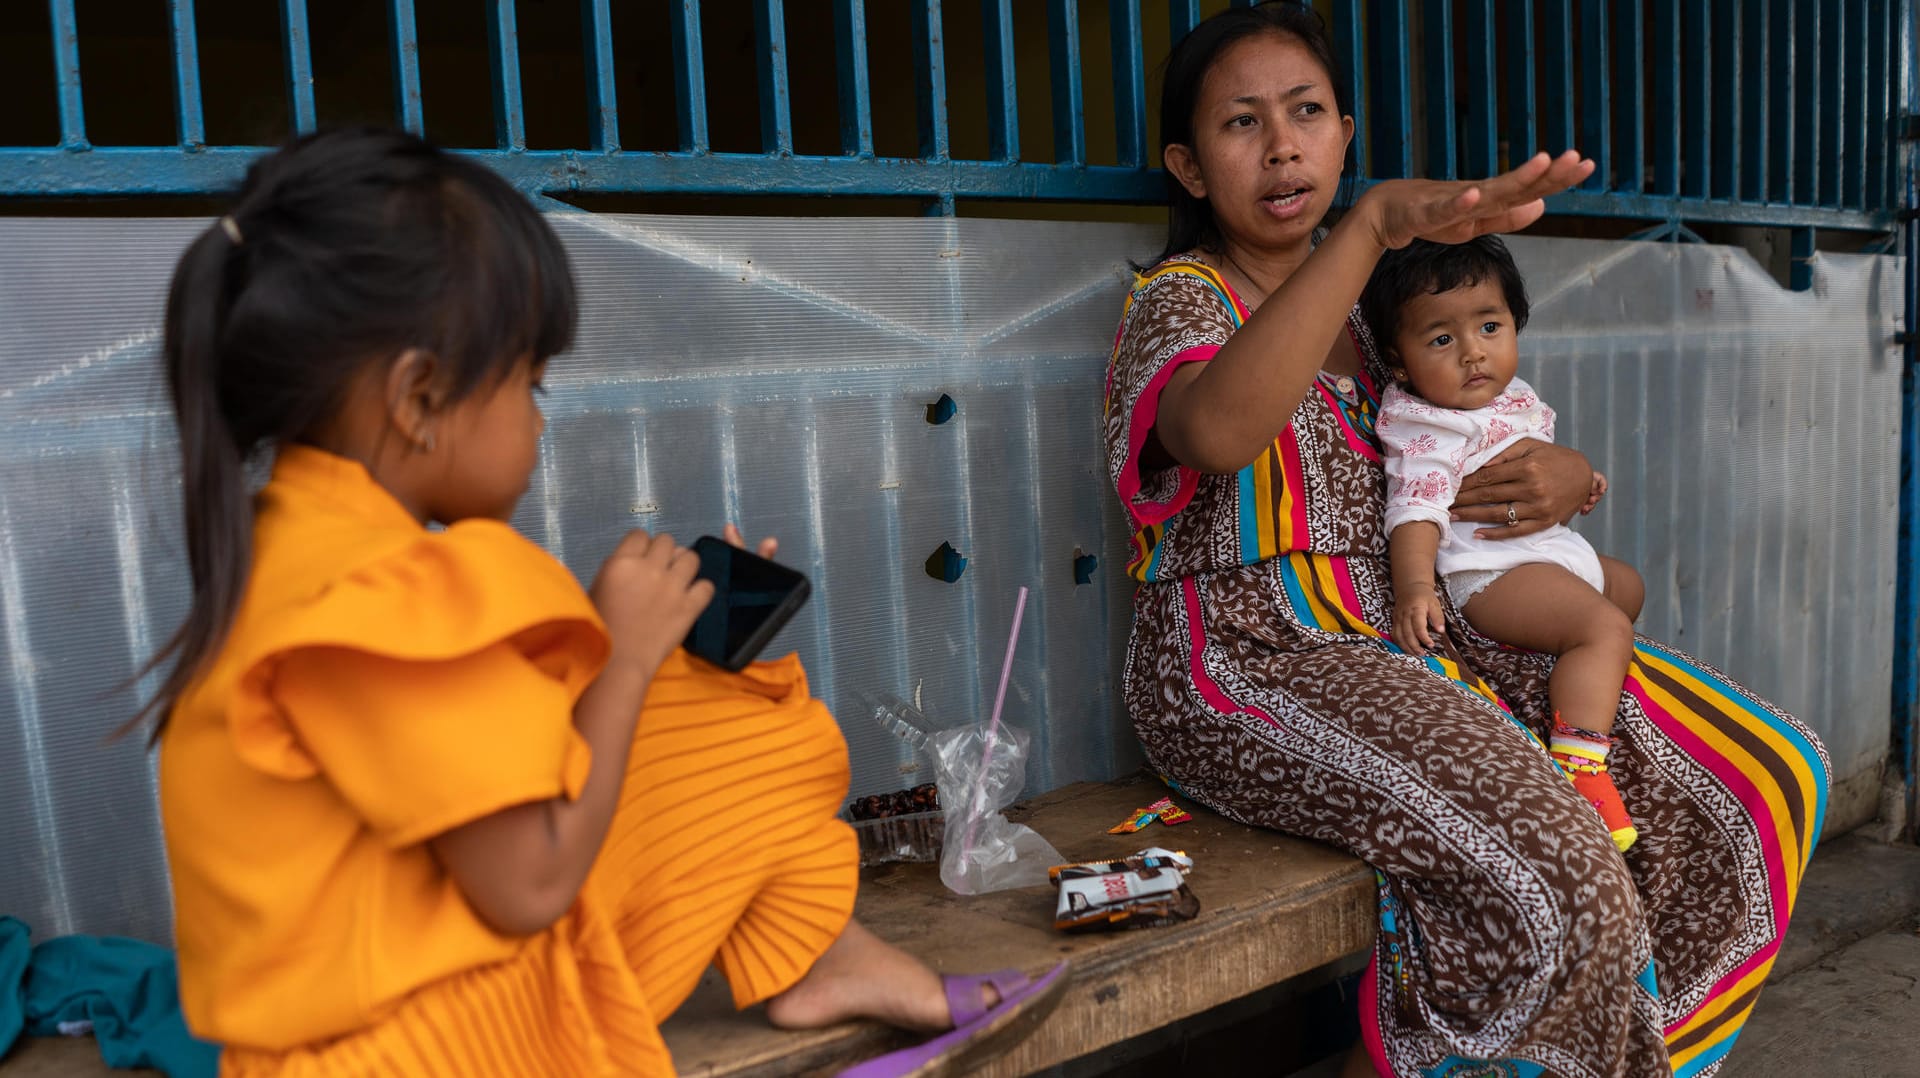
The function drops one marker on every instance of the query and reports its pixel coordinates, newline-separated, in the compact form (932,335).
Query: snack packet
(1146,889)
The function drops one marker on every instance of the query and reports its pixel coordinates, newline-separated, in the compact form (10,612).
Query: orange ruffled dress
(383,683)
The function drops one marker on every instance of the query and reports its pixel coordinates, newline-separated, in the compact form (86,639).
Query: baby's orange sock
(1582,755)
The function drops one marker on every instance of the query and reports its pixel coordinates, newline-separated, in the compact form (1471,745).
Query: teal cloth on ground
(127,991)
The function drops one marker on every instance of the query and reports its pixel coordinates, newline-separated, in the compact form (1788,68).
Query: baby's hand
(1595,492)
(1418,619)
(647,595)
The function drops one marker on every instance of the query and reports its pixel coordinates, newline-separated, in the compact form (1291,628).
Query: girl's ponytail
(219,518)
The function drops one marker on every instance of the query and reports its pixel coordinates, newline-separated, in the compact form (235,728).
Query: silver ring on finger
(1513,518)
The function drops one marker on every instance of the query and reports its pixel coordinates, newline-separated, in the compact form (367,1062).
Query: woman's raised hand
(1453,211)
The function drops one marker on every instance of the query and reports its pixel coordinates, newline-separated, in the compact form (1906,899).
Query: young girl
(1447,318)
(430,808)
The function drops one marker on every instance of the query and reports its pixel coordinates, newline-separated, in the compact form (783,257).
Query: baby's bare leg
(1624,588)
(1546,608)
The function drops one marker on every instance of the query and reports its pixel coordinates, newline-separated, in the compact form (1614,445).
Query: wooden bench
(1271,907)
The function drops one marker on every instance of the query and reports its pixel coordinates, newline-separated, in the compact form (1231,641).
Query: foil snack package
(1146,889)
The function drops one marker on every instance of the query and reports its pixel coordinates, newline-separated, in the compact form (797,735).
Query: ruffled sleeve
(1177,315)
(431,685)
(1425,453)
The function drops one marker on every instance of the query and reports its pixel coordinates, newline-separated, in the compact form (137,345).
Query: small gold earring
(425,441)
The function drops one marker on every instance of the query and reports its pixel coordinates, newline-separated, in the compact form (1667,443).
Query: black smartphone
(752,599)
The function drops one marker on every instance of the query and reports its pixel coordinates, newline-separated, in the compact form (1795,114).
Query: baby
(1447,318)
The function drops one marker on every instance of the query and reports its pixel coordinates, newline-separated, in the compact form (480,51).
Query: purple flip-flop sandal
(979,1033)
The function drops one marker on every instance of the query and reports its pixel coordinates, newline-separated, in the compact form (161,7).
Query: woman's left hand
(1529,487)
(768,546)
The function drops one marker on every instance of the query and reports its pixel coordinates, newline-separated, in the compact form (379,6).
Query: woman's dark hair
(1426,267)
(1190,221)
(341,249)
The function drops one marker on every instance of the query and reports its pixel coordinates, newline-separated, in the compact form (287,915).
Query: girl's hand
(647,595)
(1598,490)
(1418,618)
(1453,211)
(768,546)
(1541,484)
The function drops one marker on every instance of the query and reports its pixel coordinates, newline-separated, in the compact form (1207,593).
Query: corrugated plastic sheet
(779,372)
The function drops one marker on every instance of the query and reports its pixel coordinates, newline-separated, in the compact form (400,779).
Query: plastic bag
(979,770)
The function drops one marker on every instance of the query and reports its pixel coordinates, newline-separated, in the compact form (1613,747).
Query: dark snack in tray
(922,798)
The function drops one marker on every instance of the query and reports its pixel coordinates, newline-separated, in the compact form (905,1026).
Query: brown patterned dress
(1514,938)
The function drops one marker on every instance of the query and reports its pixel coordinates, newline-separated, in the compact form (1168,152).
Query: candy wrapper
(1163,810)
(1147,889)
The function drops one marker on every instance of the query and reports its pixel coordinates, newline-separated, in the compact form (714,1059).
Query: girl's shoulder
(429,596)
(477,597)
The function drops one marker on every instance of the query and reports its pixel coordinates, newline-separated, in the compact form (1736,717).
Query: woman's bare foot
(864,976)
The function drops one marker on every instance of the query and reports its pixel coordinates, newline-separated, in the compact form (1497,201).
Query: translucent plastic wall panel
(778,373)
(1751,435)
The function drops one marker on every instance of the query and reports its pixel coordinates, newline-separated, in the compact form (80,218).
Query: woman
(1514,938)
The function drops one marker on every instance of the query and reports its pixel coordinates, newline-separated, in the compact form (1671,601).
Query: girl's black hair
(1429,268)
(1190,222)
(341,249)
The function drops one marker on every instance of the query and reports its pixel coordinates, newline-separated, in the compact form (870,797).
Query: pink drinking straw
(993,724)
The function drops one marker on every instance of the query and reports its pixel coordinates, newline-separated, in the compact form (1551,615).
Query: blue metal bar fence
(1555,73)
(1696,102)
(1904,27)
(1390,78)
(298,46)
(930,79)
(1441,98)
(1853,166)
(1785,108)
(1480,142)
(603,95)
(66,73)
(690,77)
(1069,107)
(1663,30)
(503,44)
(1780,87)
(1523,99)
(850,59)
(1129,83)
(1880,98)
(1629,97)
(1832,106)
(1755,78)
(1595,137)
(408,109)
(1807,115)
(770,62)
(1349,51)
(190,125)
(1725,176)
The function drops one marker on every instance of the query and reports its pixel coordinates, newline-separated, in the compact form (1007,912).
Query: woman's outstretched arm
(1220,415)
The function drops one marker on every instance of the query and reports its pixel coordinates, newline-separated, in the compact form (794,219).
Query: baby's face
(1460,347)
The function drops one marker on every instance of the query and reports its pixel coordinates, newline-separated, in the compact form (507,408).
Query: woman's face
(1268,143)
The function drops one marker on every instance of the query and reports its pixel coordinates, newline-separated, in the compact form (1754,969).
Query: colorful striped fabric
(1262,680)
(1271,509)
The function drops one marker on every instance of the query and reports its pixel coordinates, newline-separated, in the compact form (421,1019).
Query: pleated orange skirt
(725,851)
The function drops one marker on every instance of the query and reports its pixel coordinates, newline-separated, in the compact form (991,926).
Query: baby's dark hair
(342,249)
(1426,267)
